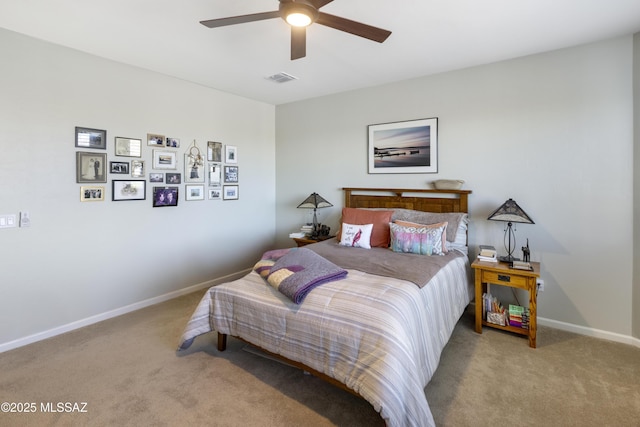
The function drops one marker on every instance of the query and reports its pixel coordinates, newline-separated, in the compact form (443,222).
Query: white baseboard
(590,332)
(583,330)
(20,342)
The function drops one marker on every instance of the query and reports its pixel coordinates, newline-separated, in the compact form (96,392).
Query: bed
(379,331)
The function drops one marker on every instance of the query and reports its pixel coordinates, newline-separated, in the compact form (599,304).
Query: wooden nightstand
(501,274)
(303,241)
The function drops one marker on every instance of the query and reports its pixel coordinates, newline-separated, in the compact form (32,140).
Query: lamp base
(508,258)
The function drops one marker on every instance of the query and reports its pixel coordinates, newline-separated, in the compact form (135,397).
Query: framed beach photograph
(137,168)
(173,142)
(119,168)
(128,147)
(155,140)
(163,159)
(230,174)
(404,147)
(91,167)
(91,138)
(231,154)
(91,194)
(173,178)
(127,189)
(214,171)
(165,196)
(194,192)
(230,192)
(215,194)
(214,151)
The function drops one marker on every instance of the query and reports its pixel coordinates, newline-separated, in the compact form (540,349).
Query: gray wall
(553,131)
(81,262)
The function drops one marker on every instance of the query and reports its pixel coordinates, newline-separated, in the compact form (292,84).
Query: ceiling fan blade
(356,28)
(241,19)
(298,42)
(319,3)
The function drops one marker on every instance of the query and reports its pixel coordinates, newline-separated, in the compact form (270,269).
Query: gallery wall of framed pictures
(208,172)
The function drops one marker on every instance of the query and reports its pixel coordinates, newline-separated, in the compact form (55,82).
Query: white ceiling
(429,36)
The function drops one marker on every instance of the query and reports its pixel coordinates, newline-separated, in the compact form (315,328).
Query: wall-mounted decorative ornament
(193,164)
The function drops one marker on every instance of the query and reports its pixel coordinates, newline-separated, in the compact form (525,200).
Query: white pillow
(357,236)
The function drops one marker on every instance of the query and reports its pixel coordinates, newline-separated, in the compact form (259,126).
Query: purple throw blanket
(296,271)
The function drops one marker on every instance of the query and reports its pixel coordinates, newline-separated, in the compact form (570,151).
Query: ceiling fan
(299,14)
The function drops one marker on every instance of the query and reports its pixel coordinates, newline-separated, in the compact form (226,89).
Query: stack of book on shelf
(518,316)
(493,311)
(487,254)
(307,229)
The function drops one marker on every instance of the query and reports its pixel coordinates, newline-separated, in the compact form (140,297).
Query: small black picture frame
(121,168)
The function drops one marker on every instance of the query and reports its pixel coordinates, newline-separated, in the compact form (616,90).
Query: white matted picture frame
(230,192)
(230,154)
(89,193)
(194,192)
(128,189)
(404,147)
(164,159)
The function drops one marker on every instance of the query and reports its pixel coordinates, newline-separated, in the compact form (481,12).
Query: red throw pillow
(380,236)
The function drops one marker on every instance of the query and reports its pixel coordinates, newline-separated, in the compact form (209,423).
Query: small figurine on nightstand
(526,254)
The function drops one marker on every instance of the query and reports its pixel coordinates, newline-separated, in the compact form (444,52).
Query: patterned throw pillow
(417,240)
(357,236)
(438,225)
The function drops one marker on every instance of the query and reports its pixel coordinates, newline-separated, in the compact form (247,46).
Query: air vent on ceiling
(282,77)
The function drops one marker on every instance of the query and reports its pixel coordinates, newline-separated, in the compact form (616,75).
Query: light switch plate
(7,221)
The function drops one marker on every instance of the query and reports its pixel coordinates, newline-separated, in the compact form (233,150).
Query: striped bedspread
(382,337)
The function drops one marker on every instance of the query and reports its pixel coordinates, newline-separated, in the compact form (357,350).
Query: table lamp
(314,201)
(510,212)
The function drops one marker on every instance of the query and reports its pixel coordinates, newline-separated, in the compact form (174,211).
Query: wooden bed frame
(426,200)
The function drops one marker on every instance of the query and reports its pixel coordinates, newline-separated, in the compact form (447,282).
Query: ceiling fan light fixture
(298,14)
(298,19)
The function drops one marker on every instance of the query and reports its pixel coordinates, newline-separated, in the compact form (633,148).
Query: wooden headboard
(427,200)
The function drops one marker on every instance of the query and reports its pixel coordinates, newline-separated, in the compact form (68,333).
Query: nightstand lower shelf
(514,329)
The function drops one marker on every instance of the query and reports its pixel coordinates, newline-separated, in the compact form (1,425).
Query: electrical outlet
(540,284)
